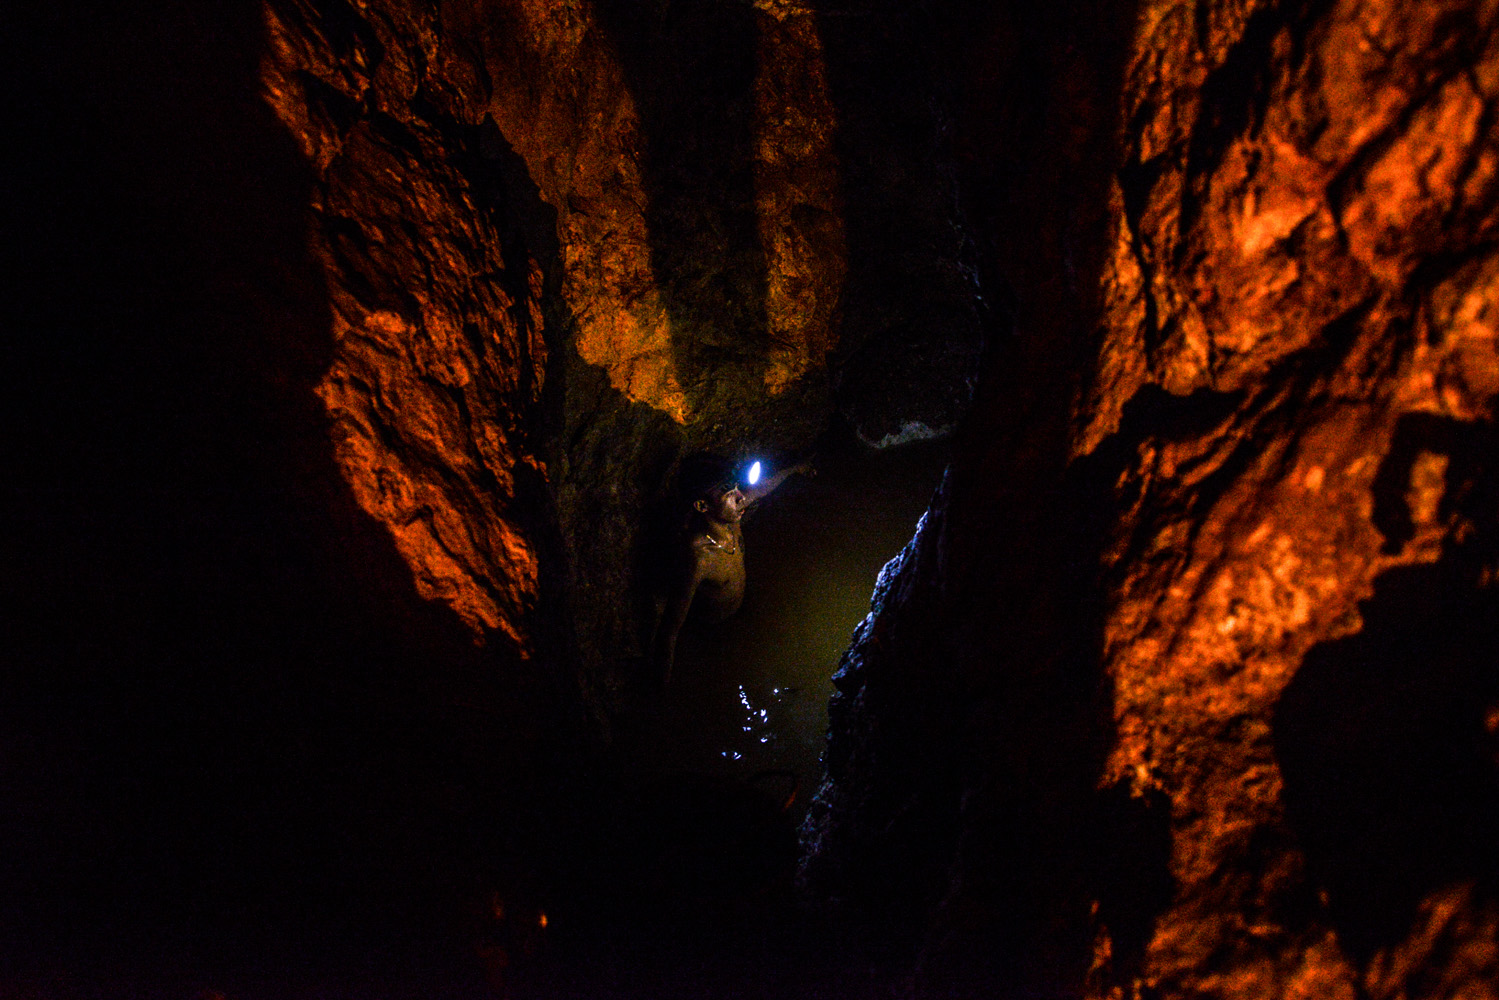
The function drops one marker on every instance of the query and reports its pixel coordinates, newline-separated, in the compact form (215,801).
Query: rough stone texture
(435,388)
(570,242)
(231,714)
(692,263)
(1305,242)
(1186,686)
(1212,639)
(685,153)
(351,333)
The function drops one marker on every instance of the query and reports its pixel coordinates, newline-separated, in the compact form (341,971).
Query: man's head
(722,502)
(705,481)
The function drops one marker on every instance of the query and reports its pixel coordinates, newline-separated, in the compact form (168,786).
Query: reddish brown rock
(582,138)
(641,214)
(1214,636)
(1308,191)
(476,202)
(435,387)
(680,175)
(1185,687)
(798,203)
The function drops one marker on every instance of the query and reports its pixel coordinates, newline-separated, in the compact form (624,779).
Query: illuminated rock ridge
(1186,686)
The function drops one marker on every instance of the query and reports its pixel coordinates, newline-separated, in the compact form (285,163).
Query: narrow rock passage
(751,695)
(676,877)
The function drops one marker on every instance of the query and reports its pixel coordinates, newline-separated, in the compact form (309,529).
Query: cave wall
(434,394)
(1336,283)
(352,333)
(569,243)
(728,276)
(236,724)
(1204,611)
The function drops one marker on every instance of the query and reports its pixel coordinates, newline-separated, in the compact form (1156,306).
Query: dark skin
(710,575)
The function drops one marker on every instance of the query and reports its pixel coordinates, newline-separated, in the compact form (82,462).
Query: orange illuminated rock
(797,201)
(582,138)
(515,193)
(1312,201)
(1206,609)
(578,132)
(435,386)
(677,166)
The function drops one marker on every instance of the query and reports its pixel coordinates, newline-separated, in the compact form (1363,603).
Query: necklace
(720,545)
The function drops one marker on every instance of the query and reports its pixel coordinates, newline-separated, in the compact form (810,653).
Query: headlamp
(753,475)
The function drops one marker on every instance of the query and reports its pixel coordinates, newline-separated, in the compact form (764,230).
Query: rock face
(687,200)
(550,285)
(1184,688)
(436,386)
(1209,590)
(1326,200)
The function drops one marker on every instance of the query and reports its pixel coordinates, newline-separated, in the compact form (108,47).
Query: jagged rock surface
(550,285)
(1213,644)
(1306,244)
(435,389)
(1185,687)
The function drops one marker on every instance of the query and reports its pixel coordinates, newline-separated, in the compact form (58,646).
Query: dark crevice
(341,110)
(241,739)
(237,751)
(1136,181)
(1390,778)
(944,822)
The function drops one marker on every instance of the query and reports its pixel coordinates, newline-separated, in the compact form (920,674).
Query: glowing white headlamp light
(753,475)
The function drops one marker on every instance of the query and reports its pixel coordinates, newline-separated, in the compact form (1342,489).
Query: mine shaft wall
(234,664)
(721,229)
(356,340)
(1186,686)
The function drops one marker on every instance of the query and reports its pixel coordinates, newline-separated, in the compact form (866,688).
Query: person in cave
(707,571)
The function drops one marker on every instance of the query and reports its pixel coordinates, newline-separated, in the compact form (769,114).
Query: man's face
(729,506)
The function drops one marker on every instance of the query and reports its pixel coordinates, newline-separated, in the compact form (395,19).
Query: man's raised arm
(768,484)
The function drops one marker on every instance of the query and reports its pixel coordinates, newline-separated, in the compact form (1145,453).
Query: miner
(708,556)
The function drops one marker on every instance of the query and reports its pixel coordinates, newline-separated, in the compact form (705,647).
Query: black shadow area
(1390,779)
(690,66)
(911,318)
(1036,139)
(962,817)
(232,736)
